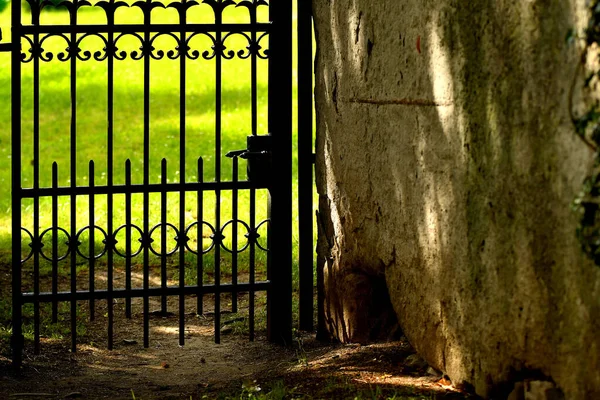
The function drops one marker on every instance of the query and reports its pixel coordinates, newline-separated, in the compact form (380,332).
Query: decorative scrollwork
(247,236)
(62,56)
(163,252)
(135,55)
(244,53)
(266,222)
(265,54)
(252,4)
(207,55)
(196,224)
(104,241)
(71,6)
(138,230)
(147,6)
(250,235)
(176,239)
(182,7)
(68,239)
(36,50)
(110,7)
(30,254)
(99,55)
(219,6)
(172,54)
(33,50)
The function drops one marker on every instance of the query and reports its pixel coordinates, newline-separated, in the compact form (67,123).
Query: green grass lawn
(55,114)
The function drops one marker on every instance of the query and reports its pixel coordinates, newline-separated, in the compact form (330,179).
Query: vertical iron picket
(254,129)
(146,223)
(128,250)
(200,240)
(163,236)
(234,237)
(218,234)
(35,17)
(92,251)
(253,73)
(54,242)
(252,240)
(182,175)
(15,68)
(73,159)
(110,240)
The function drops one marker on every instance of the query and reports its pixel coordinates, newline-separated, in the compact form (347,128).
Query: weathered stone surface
(446,164)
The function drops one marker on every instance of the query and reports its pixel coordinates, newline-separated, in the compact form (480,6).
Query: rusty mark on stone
(402,102)
(419,44)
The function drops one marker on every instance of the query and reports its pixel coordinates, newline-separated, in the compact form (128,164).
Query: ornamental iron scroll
(109,242)
(35,50)
(217,33)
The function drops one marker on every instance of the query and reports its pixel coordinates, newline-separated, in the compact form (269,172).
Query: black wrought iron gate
(171,257)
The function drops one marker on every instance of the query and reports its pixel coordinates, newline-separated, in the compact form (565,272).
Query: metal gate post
(17,331)
(305,165)
(279,302)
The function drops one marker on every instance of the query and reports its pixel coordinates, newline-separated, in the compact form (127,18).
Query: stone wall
(446,165)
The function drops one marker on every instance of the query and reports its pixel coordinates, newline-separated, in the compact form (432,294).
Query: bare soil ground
(236,368)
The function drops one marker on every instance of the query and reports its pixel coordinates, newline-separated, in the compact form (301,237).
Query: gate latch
(258,157)
(4,46)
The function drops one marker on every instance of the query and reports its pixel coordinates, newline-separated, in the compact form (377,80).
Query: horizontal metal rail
(48,297)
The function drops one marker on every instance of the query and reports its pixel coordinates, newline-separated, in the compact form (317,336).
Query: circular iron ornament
(98,55)
(30,243)
(268,222)
(241,53)
(168,253)
(95,256)
(172,54)
(59,258)
(138,251)
(135,55)
(231,222)
(195,54)
(265,53)
(212,243)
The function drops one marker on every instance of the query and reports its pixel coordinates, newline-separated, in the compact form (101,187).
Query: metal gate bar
(279,307)
(17,315)
(278,283)
(305,164)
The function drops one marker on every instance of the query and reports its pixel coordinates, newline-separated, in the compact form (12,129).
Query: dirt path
(232,369)
(236,368)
